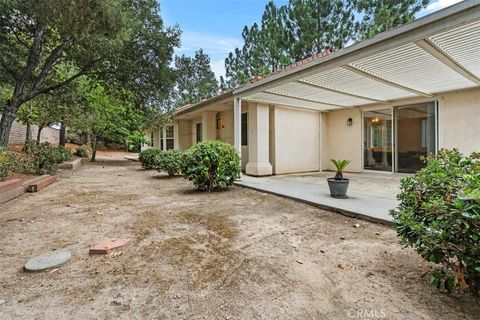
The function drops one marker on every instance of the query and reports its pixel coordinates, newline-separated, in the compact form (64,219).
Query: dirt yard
(236,254)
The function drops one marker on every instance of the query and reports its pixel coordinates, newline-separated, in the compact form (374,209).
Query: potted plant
(338,185)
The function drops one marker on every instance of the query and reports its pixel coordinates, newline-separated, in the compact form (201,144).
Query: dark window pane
(169,131)
(244,129)
(199,132)
(170,144)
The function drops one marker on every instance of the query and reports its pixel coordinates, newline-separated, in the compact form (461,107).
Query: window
(169,138)
(151,139)
(199,132)
(244,129)
(161,137)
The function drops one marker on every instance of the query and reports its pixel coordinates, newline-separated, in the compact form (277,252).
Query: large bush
(82,152)
(211,164)
(149,158)
(170,161)
(439,216)
(42,157)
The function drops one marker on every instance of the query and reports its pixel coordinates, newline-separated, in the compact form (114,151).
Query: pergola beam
(443,57)
(291,96)
(385,81)
(317,86)
(266,101)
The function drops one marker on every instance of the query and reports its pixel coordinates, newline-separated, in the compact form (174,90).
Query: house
(383,103)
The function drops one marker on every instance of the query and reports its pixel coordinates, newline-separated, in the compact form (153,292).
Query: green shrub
(170,161)
(82,152)
(149,158)
(4,164)
(211,164)
(62,154)
(439,216)
(43,158)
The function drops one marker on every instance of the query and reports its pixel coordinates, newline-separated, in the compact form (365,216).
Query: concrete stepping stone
(106,245)
(48,261)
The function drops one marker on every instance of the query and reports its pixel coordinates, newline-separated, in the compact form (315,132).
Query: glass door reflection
(377,140)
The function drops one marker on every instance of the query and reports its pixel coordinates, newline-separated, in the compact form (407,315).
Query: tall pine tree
(314,25)
(383,15)
(306,27)
(195,79)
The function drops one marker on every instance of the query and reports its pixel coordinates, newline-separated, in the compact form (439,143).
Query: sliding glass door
(398,139)
(377,140)
(415,132)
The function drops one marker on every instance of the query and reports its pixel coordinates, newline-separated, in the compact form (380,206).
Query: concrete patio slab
(371,196)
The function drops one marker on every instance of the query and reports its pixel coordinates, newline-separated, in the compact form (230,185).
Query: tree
(314,26)
(121,42)
(306,27)
(195,79)
(383,15)
(107,114)
(43,111)
(265,48)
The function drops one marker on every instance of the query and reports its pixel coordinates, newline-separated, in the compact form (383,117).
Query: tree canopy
(195,79)
(123,43)
(302,28)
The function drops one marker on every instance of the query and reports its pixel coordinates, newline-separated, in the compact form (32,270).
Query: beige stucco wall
(459,121)
(297,140)
(184,134)
(341,141)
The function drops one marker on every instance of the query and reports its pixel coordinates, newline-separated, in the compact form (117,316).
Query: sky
(216,25)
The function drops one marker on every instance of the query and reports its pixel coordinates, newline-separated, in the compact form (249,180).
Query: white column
(237,125)
(258,140)
(175,136)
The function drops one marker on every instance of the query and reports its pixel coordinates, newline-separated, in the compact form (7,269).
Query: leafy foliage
(195,79)
(122,43)
(340,165)
(211,164)
(169,161)
(4,164)
(41,158)
(107,115)
(303,28)
(439,216)
(149,159)
(383,15)
(82,152)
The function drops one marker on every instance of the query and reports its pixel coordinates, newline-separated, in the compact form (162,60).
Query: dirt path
(237,254)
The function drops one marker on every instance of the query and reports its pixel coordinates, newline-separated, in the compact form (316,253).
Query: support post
(258,140)
(237,125)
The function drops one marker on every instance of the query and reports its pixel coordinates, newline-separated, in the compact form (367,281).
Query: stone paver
(48,261)
(105,246)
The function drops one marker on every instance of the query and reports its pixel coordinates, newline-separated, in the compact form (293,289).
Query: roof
(192,107)
(434,54)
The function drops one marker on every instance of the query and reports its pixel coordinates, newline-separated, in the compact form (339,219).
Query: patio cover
(435,54)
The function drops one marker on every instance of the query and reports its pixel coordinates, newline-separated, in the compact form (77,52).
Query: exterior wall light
(349,122)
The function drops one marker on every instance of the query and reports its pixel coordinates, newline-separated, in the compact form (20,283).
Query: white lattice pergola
(432,55)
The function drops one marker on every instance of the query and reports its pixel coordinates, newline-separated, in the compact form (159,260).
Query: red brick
(10,185)
(41,183)
(104,246)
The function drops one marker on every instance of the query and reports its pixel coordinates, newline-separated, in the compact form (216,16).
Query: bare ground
(235,254)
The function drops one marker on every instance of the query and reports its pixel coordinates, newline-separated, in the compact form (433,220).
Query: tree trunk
(94,148)
(8,116)
(28,135)
(62,137)
(39,133)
